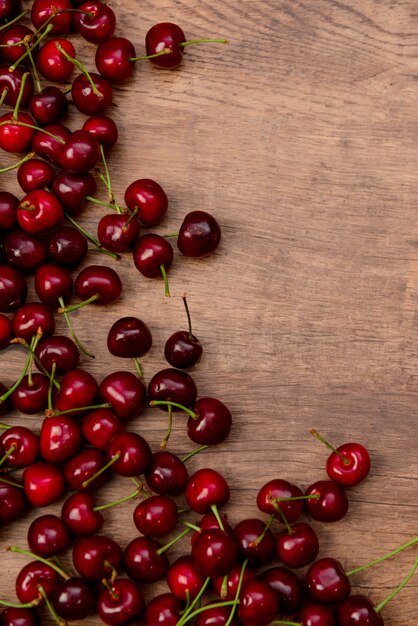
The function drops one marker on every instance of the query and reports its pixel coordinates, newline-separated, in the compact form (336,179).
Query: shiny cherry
(104,129)
(163,36)
(129,337)
(228,591)
(288,587)
(327,582)
(121,603)
(97,23)
(84,466)
(125,393)
(39,211)
(209,522)
(10,53)
(30,317)
(19,617)
(21,445)
(42,10)
(259,603)
(199,234)
(156,516)
(43,483)
(33,575)
(6,331)
(11,83)
(35,174)
(60,439)
(149,199)
(25,252)
(79,516)
(52,63)
(48,106)
(13,289)
(99,284)
(89,101)
(132,452)
(167,474)
(173,386)
(78,390)
(15,137)
(350,466)
(268,500)
(214,552)
(184,578)
(74,599)
(298,548)
(216,616)
(163,609)
(31,395)
(206,488)
(118,232)
(47,147)
(142,560)
(72,190)
(182,348)
(100,426)
(47,536)
(153,256)
(358,611)
(95,557)
(114,59)
(211,423)
(8,209)
(254,541)
(332,503)
(313,614)
(80,153)
(58,350)
(13,503)
(67,246)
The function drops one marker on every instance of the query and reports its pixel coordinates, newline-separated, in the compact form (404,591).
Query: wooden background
(301,137)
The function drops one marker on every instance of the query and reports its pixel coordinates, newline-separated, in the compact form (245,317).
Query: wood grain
(301,137)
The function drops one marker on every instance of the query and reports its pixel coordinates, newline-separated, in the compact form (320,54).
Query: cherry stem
(394,593)
(34,70)
(105,467)
(40,559)
(193,527)
(99,202)
(96,243)
(106,180)
(215,511)
(42,130)
(401,548)
(33,344)
(141,487)
(80,67)
(198,41)
(51,380)
(193,452)
(29,50)
(29,156)
(71,329)
(284,623)
(76,307)
(174,404)
(266,528)
(320,438)
(162,52)
(110,589)
(237,593)
(49,606)
(193,604)
(170,235)
(8,453)
(82,408)
(224,587)
(113,570)
(10,482)
(164,442)
(189,319)
(202,609)
(23,343)
(3,95)
(312,496)
(138,368)
(168,545)
(109,505)
(282,516)
(166,286)
(5,426)
(16,19)
(186,608)
(20,96)
(130,218)
(28,605)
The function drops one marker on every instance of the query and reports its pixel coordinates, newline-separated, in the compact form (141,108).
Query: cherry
(43,10)
(121,603)
(184,578)
(215,616)
(73,599)
(156,516)
(96,557)
(13,503)
(118,232)
(199,234)
(97,23)
(259,603)
(288,587)
(129,453)
(8,209)
(73,189)
(30,317)
(20,445)
(97,284)
(49,147)
(358,610)
(214,552)
(104,129)
(67,246)
(211,422)
(269,496)
(19,617)
(114,59)
(10,53)
(82,467)
(79,515)
(162,609)
(228,590)
(100,426)
(24,251)
(52,64)
(327,581)
(39,211)
(11,86)
(43,483)
(182,348)
(153,256)
(205,490)
(255,541)
(88,100)
(125,393)
(48,106)
(167,474)
(298,547)
(59,352)
(6,331)
(14,137)
(348,465)
(32,576)
(10,9)
(31,395)
(209,522)
(13,289)
(78,391)
(332,504)
(149,199)
(80,153)
(143,561)
(47,536)
(170,385)
(35,174)
(129,337)
(60,439)
(312,614)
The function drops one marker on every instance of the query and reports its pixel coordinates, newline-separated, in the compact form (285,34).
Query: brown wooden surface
(301,137)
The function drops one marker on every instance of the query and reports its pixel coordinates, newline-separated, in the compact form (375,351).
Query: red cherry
(199,234)
(156,516)
(299,548)
(97,23)
(10,9)
(132,452)
(35,174)
(8,209)
(23,445)
(153,256)
(118,232)
(113,59)
(184,578)
(10,53)
(11,83)
(43,483)
(67,246)
(331,504)
(352,468)
(268,500)
(13,136)
(52,63)
(211,424)
(167,474)
(31,577)
(99,284)
(89,101)
(149,199)
(47,147)
(23,251)
(95,557)
(80,152)
(73,189)
(254,541)
(313,614)
(165,36)
(60,439)
(79,516)
(39,211)
(30,317)
(358,610)
(209,522)
(214,552)
(228,591)
(53,283)
(13,289)
(327,581)
(73,599)
(6,331)
(42,10)
(19,617)
(125,392)
(47,536)
(31,396)
(183,349)
(84,466)
(163,609)
(288,587)
(121,604)
(206,488)
(104,129)
(59,350)
(259,603)
(216,616)
(129,337)
(48,106)
(13,503)
(78,391)
(100,426)
(173,386)
(142,561)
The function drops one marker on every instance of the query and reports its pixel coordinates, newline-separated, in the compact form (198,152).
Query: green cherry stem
(40,559)
(22,375)
(282,516)
(171,543)
(168,235)
(107,182)
(76,307)
(81,68)
(81,408)
(174,404)
(8,453)
(100,202)
(193,452)
(71,329)
(5,426)
(96,243)
(164,442)
(23,343)
(28,605)
(320,438)
(29,156)
(34,70)
(401,548)
(41,130)
(10,482)
(193,604)
(237,593)
(49,606)
(202,609)
(16,19)
(189,319)
(109,505)
(29,50)
(194,527)
(399,588)
(313,496)
(193,42)
(20,96)
(215,511)
(3,95)
(105,467)
(285,623)
(51,381)
(162,52)
(138,368)
(266,528)
(166,286)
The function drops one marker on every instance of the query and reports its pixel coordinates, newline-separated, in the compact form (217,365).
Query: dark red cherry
(6,331)
(268,500)
(13,289)
(100,426)
(78,390)
(95,556)
(209,522)
(129,337)
(8,209)
(39,211)
(13,503)
(113,59)
(211,424)
(228,591)
(153,256)
(11,83)
(43,483)
(48,106)
(15,137)
(120,604)
(35,174)
(17,34)
(80,153)
(165,35)
(52,63)
(47,536)
(60,439)
(327,581)
(79,516)
(24,251)
(184,578)
(87,100)
(156,516)
(259,603)
(350,466)
(313,614)
(10,9)
(73,599)
(99,284)
(332,503)
(299,548)
(358,610)
(199,234)
(133,452)
(23,443)
(214,552)
(31,396)
(142,561)
(33,575)
(67,246)
(163,609)
(60,350)
(173,386)
(97,23)
(254,541)
(84,466)
(47,147)
(42,10)
(125,392)
(216,616)
(288,587)
(19,617)
(30,317)
(72,190)
(104,129)
(118,232)
(149,199)
(53,283)
(183,349)
(206,488)
(167,474)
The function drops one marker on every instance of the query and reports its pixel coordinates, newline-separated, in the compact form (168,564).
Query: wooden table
(301,137)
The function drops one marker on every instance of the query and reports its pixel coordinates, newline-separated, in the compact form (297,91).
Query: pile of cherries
(240,575)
